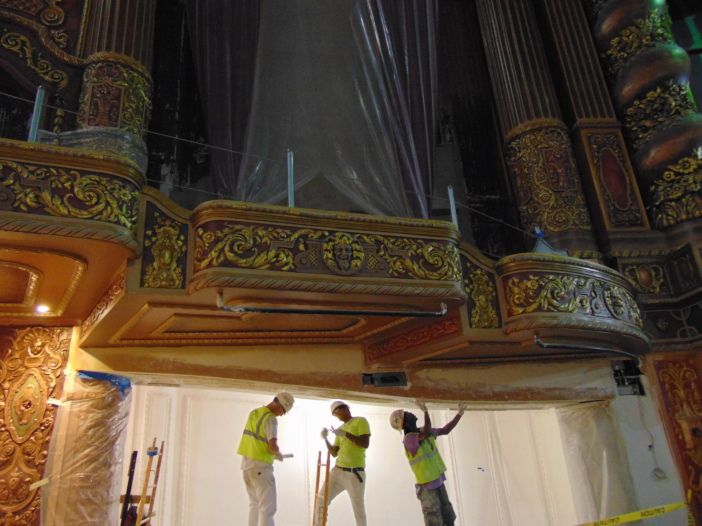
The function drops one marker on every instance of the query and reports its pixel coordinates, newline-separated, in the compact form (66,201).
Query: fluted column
(118,46)
(608,175)
(115,99)
(538,149)
(648,74)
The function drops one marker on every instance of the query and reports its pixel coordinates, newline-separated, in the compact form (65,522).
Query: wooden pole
(149,514)
(316,488)
(151,453)
(326,490)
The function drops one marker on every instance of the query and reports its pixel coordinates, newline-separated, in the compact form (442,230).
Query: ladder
(325,507)
(137,516)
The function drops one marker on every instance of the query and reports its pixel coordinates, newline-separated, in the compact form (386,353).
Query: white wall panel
(504,468)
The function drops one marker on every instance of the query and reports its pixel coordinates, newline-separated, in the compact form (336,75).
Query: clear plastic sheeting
(85,456)
(348,86)
(597,462)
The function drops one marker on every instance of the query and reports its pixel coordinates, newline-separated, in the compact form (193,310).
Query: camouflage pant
(436,507)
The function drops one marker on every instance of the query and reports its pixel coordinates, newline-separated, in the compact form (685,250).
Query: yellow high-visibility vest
(254,442)
(426,464)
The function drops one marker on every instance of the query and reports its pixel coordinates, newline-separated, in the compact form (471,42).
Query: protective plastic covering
(348,86)
(597,462)
(85,456)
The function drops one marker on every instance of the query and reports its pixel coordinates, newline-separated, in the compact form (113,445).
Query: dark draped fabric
(224,36)
(397,37)
(404,36)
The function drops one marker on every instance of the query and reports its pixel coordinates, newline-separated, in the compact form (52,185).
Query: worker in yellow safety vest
(349,473)
(258,448)
(426,463)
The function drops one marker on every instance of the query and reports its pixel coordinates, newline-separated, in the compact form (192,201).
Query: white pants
(260,485)
(340,480)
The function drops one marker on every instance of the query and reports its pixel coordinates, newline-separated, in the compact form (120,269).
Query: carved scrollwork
(677,194)
(166,244)
(644,33)
(271,248)
(550,195)
(659,109)
(64,192)
(570,294)
(23,48)
(32,367)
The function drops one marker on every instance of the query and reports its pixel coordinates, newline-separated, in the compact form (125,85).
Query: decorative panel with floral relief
(31,371)
(164,259)
(680,386)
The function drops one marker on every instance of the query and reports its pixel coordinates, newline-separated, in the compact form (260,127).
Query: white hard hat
(397,418)
(286,400)
(336,404)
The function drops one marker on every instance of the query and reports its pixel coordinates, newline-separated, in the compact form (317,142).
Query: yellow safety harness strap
(637,515)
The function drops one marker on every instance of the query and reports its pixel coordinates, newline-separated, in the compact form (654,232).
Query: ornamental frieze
(533,292)
(310,250)
(165,245)
(65,192)
(30,373)
(549,191)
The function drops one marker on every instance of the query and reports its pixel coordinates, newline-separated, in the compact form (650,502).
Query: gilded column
(85,460)
(115,98)
(538,149)
(31,372)
(616,205)
(648,74)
